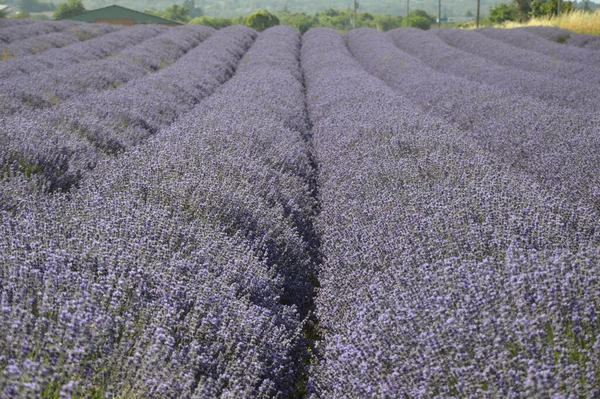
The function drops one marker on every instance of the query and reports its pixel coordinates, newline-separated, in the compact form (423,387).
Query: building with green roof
(120,15)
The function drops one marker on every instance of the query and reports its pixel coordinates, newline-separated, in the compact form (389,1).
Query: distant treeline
(341,20)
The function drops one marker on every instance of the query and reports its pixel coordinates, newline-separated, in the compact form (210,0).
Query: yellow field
(577,21)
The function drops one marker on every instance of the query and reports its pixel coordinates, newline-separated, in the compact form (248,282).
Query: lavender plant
(438,55)
(552,33)
(530,41)
(504,54)
(588,42)
(565,36)
(48,88)
(558,147)
(13,34)
(178,268)
(7,23)
(69,139)
(94,49)
(39,44)
(446,273)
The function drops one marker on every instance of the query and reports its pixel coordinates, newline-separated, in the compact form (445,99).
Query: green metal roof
(116,12)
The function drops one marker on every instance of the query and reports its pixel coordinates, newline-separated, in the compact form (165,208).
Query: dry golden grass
(576,21)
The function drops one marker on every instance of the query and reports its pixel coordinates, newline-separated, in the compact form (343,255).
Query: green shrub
(504,12)
(69,9)
(213,22)
(261,20)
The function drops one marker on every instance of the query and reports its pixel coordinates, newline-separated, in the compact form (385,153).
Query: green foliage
(2,14)
(387,22)
(536,9)
(340,20)
(298,20)
(422,13)
(175,13)
(261,20)
(504,12)
(550,7)
(330,12)
(69,9)
(524,9)
(420,19)
(213,22)
(541,8)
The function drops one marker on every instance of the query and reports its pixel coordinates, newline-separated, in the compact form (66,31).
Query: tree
(541,8)
(387,22)
(299,20)
(339,20)
(261,20)
(420,19)
(213,22)
(536,9)
(330,12)
(504,12)
(69,9)
(550,7)
(424,14)
(524,9)
(2,14)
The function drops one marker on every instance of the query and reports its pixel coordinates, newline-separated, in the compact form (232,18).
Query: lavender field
(193,213)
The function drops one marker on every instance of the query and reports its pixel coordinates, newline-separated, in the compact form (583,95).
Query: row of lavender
(66,141)
(556,145)
(184,267)
(7,23)
(558,35)
(447,272)
(72,33)
(88,50)
(587,41)
(47,88)
(528,39)
(21,31)
(568,85)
